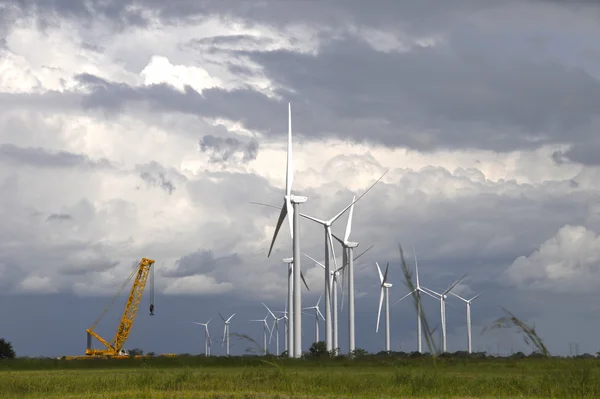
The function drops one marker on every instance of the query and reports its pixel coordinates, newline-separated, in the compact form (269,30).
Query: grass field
(252,377)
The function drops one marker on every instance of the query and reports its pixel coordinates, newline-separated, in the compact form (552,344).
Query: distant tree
(359,352)
(151,354)
(318,349)
(135,352)
(6,350)
(284,354)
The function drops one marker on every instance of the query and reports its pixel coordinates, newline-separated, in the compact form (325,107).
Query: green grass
(371,377)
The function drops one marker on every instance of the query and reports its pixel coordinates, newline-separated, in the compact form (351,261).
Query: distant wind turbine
(226,331)
(207,340)
(385,292)
(468,302)
(265,329)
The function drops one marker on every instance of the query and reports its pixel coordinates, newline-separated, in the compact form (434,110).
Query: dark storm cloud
(425,99)
(157,175)
(202,262)
(40,157)
(221,149)
(451,101)
(255,110)
(384,13)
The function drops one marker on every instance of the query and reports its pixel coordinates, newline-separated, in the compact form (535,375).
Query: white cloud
(160,70)
(567,262)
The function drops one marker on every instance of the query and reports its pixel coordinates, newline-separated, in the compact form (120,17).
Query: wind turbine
(468,302)
(385,291)
(418,290)
(226,331)
(274,328)
(317,314)
(334,283)
(329,246)
(265,329)
(442,297)
(348,257)
(291,205)
(285,327)
(290,304)
(207,341)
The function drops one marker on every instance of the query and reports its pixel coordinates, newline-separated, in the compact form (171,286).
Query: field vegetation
(371,376)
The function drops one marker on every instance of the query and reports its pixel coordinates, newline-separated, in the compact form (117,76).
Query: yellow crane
(114,348)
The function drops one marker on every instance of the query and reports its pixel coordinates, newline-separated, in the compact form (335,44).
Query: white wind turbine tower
(290,319)
(265,329)
(291,205)
(468,302)
(347,257)
(329,246)
(385,292)
(442,297)
(418,290)
(275,328)
(226,331)
(207,341)
(317,314)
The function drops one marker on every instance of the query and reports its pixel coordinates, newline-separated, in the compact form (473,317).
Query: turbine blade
(263,204)
(314,219)
(230,317)
(320,314)
(332,249)
(289,167)
(221,316)
(380,275)
(379,313)
(357,199)
(364,252)
(416,265)
(386,272)
(454,285)
(349,223)
(269,310)
(282,215)
(303,280)
(314,260)
(476,296)
(459,297)
(272,329)
(338,239)
(430,291)
(405,296)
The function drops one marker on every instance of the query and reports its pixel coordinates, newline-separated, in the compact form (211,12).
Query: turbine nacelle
(350,244)
(298,199)
(288,260)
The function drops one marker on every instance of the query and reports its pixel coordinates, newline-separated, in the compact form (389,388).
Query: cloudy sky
(133,129)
